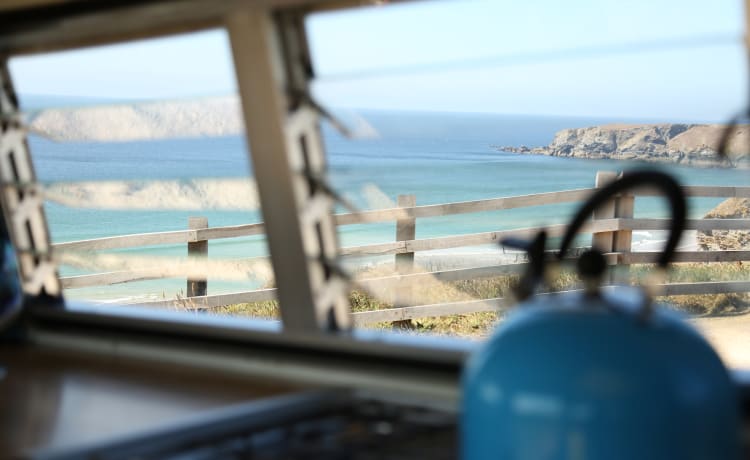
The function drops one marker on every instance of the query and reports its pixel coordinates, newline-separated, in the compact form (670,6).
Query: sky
(642,59)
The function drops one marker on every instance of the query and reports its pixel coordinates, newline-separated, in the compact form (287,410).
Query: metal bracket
(22,203)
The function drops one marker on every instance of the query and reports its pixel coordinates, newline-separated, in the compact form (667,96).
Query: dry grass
(468,325)
(711,304)
(267,310)
(706,304)
(480,324)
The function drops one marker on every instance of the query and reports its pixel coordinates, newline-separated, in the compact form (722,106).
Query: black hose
(662,181)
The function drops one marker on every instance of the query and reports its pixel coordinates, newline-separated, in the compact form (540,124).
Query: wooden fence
(611,230)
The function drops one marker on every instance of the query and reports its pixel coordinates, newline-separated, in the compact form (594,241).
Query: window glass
(467,101)
(139,148)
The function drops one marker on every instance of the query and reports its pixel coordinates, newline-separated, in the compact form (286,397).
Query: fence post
(604,241)
(197,287)
(406,229)
(624,207)
(621,240)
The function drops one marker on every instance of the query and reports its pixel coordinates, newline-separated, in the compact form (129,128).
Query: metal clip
(304,98)
(324,186)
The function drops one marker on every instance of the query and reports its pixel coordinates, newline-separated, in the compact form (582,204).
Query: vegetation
(481,324)
(268,309)
(705,304)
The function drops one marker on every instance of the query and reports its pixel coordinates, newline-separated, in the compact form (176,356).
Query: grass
(481,324)
(268,309)
(705,304)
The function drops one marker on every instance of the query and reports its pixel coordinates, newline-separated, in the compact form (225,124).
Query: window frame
(311,350)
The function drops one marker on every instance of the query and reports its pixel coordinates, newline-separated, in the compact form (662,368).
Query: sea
(438,157)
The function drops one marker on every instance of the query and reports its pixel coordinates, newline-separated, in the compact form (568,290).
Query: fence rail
(611,227)
(381,215)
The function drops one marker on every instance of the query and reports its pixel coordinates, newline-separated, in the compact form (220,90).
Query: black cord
(662,181)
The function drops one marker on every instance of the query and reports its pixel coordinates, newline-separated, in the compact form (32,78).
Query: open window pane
(149,193)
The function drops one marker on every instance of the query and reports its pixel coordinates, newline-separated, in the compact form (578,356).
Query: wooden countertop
(54,400)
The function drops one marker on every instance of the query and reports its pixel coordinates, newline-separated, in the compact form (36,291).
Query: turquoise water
(438,157)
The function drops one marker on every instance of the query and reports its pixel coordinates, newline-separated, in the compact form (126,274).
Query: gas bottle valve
(591,267)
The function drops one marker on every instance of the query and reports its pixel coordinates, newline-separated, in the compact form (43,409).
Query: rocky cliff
(722,240)
(690,144)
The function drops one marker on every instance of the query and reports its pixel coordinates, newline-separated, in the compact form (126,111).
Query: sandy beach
(730,336)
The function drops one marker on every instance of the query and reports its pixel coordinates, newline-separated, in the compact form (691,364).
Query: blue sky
(471,55)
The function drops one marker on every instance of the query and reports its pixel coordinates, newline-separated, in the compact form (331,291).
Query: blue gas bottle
(598,374)
(11,298)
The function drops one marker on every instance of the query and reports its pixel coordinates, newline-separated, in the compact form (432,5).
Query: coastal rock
(689,144)
(721,240)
